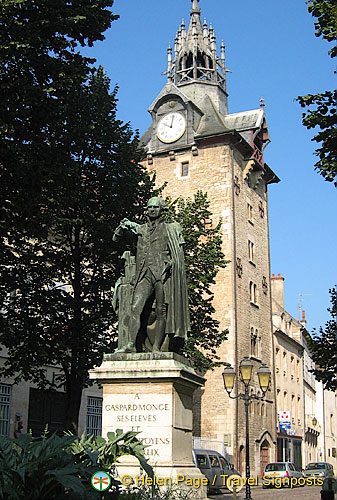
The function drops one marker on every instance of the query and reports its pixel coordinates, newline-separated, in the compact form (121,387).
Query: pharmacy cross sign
(284,415)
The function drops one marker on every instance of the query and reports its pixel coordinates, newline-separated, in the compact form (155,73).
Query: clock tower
(194,143)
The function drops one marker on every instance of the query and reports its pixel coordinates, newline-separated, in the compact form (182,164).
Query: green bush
(106,453)
(42,468)
(60,468)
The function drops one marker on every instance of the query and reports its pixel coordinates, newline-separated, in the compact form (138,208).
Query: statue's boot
(159,334)
(129,347)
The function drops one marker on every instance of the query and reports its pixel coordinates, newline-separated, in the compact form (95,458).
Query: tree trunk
(74,394)
(74,385)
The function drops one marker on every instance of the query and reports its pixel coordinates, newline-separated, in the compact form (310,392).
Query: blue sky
(272,52)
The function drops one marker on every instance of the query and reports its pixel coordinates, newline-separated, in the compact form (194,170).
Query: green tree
(39,64)
(69,173)
(321,108)
(38,42)
(203,259)
(68,168)
(323,348)
(60,262)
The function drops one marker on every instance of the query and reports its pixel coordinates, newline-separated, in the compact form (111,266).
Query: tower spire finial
(195,7)
(195,58)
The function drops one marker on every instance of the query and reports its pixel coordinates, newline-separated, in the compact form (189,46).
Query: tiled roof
(213,123)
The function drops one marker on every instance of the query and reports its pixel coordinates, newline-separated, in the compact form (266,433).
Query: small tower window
(253,293)
(251,251)
(184,169)
(263,410)
(253,342)
(250,213)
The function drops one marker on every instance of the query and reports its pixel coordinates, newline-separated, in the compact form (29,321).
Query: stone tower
(194,143)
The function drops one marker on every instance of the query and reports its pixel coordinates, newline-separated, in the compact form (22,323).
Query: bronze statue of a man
(158,298)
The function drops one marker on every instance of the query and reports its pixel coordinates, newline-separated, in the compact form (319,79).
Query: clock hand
(172,121)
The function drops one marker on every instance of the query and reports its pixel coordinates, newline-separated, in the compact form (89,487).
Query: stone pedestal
(153,394)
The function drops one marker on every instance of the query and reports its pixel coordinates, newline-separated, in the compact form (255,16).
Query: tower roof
(195,58)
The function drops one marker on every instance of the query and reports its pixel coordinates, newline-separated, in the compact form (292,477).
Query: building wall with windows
(222,155)
(327,414)
(25,407)
(242,294)
(296,386)
(289,378)
(313,425)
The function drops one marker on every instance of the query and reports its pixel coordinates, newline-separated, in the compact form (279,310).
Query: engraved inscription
(149,414)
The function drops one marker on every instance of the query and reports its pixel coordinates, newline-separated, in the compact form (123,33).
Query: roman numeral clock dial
(171,127)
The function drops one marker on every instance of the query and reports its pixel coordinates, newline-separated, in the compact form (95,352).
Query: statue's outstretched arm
(125,225)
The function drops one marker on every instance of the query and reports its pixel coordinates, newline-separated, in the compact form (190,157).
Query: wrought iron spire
(195,57)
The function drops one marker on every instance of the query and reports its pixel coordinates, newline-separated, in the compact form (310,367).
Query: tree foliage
(203,259)
(59,260)
(69,173)
(39,67)
(326,25)
(323,348)
(38,41)
(321,108)
(68,170)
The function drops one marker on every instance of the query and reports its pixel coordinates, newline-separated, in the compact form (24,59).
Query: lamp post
(264,374)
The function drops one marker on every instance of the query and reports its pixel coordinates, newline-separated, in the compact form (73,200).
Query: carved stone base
(153,394)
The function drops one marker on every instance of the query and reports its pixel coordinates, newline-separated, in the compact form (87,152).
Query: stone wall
(218,170)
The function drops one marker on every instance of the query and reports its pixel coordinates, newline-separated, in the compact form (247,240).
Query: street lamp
(264,374)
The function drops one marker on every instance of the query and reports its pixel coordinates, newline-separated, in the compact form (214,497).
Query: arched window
(298,370)
(299,410)
(278,354)
(253,342)
(278,400)
(284,363)
(293,408)
(292,367)
(253,293)
(285,401)
(189,60)
(263,409)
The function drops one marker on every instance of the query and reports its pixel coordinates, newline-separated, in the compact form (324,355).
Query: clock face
(171,127)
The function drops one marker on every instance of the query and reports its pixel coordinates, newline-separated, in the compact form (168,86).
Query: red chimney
(304,321)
